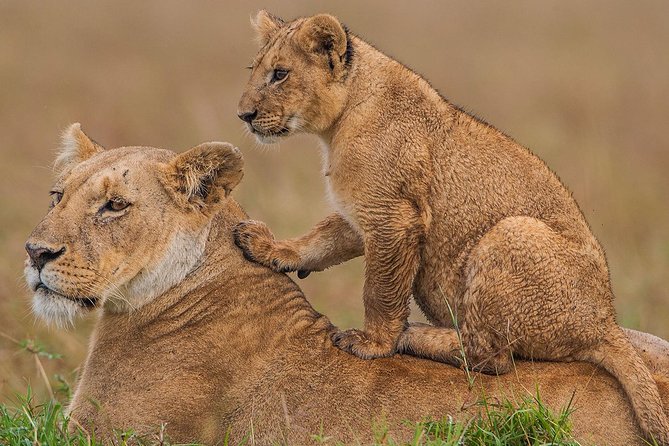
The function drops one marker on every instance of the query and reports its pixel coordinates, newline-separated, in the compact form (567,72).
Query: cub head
(298,77)
(124,225)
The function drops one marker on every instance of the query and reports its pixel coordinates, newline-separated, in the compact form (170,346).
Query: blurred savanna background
(583,84)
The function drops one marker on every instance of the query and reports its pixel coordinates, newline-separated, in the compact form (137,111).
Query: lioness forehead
(114,166)
(130,158)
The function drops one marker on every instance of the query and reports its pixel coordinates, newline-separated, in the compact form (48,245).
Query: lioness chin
(444,207)
(192,337)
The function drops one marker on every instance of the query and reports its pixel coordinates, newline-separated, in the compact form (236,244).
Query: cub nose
(248,116)
(41,255)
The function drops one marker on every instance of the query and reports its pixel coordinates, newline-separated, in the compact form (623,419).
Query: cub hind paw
(361,344)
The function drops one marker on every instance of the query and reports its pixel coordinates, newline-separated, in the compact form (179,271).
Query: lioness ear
(265,24)
(204,174)
(75,148)
(324,34)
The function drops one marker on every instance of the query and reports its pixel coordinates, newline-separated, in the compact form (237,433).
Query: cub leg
(527,290)
(330,242)
(533,292)
(392,257)
(430,342)
(445,345)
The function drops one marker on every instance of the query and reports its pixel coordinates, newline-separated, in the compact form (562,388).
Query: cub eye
(55,198)
(279,75)
(115,205)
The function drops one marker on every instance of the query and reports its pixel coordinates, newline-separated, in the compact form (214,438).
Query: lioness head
(125,224)
(297,77)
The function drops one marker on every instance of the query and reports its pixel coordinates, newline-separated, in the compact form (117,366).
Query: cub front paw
(361,344)
(254,239)
(258,245)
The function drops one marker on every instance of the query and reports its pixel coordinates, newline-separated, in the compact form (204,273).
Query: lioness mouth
(85,302)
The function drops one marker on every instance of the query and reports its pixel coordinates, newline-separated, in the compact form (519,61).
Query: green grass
(29,424)
(528,423)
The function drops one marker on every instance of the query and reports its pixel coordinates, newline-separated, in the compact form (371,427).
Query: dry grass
(584,85)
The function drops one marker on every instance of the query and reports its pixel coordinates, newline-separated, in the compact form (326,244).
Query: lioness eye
(55,197)
(279,75)
(116,205)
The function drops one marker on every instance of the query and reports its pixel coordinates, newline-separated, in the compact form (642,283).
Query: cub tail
(619,357)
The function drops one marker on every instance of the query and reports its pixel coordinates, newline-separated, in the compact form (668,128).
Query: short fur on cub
(444,207)
(215,346)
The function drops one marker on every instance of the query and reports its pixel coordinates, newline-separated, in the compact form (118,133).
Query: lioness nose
(41,255)
(248,116)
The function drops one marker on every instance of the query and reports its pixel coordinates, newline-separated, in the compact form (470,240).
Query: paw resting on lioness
(258,245)
(362,344)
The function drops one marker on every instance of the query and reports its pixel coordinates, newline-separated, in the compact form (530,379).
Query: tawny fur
(444,207)
(234,347)
(92,267)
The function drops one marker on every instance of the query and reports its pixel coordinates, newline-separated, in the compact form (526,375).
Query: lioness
(443,206)
(193,336)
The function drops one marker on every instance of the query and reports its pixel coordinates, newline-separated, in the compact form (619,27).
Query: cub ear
(326,35)
(265,24)
(75,148)
(205,174)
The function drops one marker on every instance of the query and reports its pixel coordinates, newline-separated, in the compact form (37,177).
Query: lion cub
(444,207)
